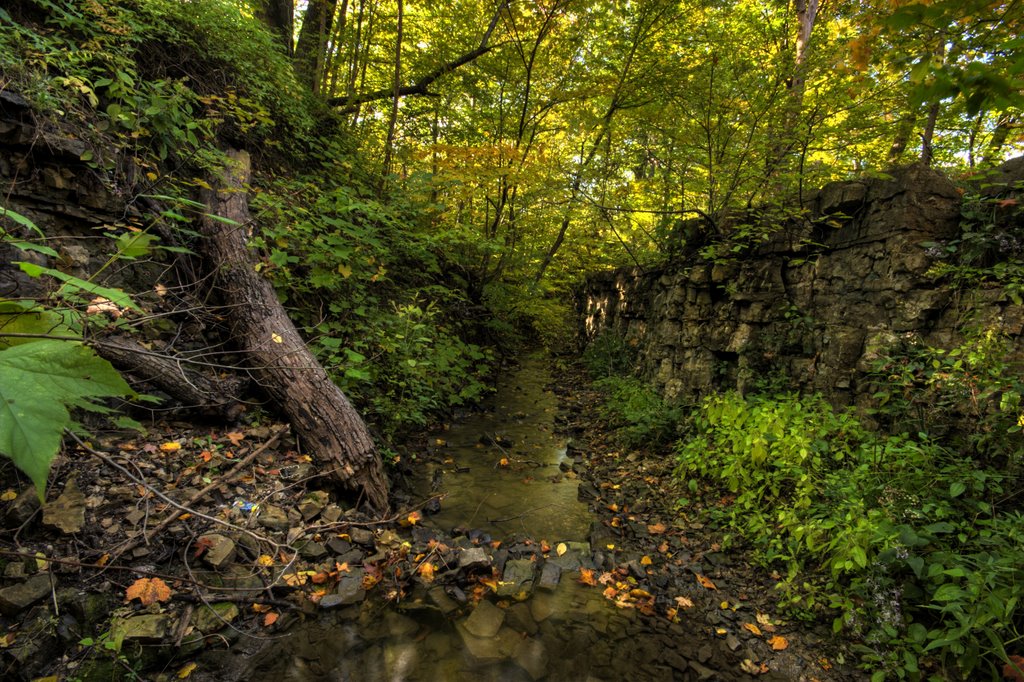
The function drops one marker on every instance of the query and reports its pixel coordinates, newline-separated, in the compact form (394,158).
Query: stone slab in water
(486,620)
(474,557)
(549,576)
(490,649)
(532,656)
(517,580)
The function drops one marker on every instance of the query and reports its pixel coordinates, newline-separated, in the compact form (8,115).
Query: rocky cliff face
(817,304)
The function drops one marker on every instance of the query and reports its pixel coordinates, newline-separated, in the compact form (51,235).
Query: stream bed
(513,606)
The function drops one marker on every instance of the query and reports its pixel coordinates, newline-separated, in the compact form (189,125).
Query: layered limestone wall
(817,304)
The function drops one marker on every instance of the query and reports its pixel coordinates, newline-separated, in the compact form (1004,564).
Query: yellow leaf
(684,602)
(503,462)
(778,642)
(151,176)
(646,561)
(764,619)
(186,670)
(345,270)
(706,582)
(8,495)
(561,548)
(148,591)
(171,446)
(724,605)
(261,608)
(276,338)
(265,560)
(412,519)
(752,628)
(7,640)
(426,571)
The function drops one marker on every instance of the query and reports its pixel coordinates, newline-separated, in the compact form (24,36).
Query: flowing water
(503,473)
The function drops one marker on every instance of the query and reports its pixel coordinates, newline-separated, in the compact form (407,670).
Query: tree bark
(319,412)
(317,23)
(169,374)
(279,17)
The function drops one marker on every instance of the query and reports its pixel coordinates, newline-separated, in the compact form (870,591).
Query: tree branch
(350,104)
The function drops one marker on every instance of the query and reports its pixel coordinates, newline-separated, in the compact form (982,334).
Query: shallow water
(500,470)
(566,632)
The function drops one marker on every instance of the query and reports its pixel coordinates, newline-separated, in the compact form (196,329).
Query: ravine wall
(817,304)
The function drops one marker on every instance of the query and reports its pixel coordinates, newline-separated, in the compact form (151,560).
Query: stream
(508,493)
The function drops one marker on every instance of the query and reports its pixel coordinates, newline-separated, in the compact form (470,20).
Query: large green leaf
(27,317)
(39,383)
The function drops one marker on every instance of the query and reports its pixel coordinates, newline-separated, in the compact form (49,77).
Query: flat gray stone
(486,620)
(16,598)
(474,557)
(442,601)
(361,536)
(220,549)
(273,518)
(150,626)
(214,617)
(489,649)
(532,656)
(517,581)
(350,591)
(519,618)
(549,576)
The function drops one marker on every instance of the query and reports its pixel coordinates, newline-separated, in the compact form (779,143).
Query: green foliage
(43,380)
(637,413)
(389,343)
(900,536)
(608,354)
(973,390)
(988,252)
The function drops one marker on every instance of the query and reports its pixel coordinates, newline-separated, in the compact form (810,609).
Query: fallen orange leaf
(235,437)
(426,571)
(684,602)
(587,577)
(646,560)
(752,628)
(171,446)
(706,582)
(148,591)
(778,642)
(656,528)
(261,608)
(270,619)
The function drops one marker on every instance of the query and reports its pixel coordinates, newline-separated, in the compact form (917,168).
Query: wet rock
(149,627)
(220,549)
(361,536)
(311,550)
(442,601)
(331,513)
(703,673)
(17,598)
(732,642)
(273,518)
(489,649)
(519,618)
(532,656)
(213,617)
(349,591)
(313,503)
(485,621)
(577,555)
(517,581)
(473,558)
(542,606)
(339,546)
(550,574)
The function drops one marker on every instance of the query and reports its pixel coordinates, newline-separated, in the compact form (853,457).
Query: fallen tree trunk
(277,356)
(193,389)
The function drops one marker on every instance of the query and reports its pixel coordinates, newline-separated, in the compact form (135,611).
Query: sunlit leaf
(148,591)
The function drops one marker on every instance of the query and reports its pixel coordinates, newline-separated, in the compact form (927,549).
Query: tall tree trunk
(928,134)
(396,93)
(309,51)
(279,17)
(317,409)
(1004,125)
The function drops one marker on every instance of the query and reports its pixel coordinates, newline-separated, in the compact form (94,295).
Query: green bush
(608,354)
(637,413)
(906,541)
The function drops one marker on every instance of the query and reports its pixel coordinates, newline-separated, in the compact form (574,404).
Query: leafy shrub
(608,354)
(902,537)
(639,415)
